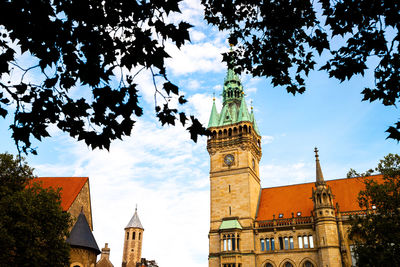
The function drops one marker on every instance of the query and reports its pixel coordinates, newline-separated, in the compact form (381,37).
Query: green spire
(253,120)
(233,89)
(243,111)
(234,108)
(214,117)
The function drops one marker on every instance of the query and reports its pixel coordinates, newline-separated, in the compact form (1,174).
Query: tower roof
(214,117)
(81,235)
(319,176)
(234,107)
(135,222)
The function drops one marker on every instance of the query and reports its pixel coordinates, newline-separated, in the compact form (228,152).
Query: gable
(297,198)
(70,187)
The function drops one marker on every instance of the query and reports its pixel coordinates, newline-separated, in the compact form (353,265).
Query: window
(298,213)
(308,264)
(305,240)
(267,244)
(280,215)
(127,236)
(291,243)
(272,244)
(311,240)
(286,243)
(231,242)
(288,264)
(225,243)
(280,243)
(300,241)
(268,265)
(262,244)
(140,235)
(133,235)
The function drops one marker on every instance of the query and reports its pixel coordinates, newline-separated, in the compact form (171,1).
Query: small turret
(133,242)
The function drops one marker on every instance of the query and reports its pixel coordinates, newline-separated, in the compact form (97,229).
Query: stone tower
(133,242)
(235,151)
(325,221)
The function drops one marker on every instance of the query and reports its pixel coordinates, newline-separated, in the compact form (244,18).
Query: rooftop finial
(319,176)
(214,96)
(316,152)
(136,208)
(251,105)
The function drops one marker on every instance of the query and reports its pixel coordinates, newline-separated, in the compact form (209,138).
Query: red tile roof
(297,198)
(70,187)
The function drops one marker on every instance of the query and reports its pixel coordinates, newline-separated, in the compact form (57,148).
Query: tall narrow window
(127,236)
(267,244)
(262,244)
(305,240)
(133,235)
(280,243)
(229,243)
(140,235)
(310,238)
(229,188)
(300,240)
(238,243)
(286,243)
(291,242)
(225,245)
(272,244)
(230,211)
(233,242)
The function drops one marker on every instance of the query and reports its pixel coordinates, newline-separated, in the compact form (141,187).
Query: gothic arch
(76,264)
(303,262)
(285,261)
(268,263)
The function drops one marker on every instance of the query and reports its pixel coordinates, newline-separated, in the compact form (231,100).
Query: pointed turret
(214,117)
(319,176)
(81,236)
(135,221)
(133,242)
(243,112)
(253,120)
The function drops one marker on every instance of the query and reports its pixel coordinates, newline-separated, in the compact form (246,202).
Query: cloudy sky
(167,175)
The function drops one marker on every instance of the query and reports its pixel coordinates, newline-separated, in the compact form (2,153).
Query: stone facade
(302,228)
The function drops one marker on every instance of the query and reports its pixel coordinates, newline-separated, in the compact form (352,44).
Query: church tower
(235,151)
(325,221)
(133,242)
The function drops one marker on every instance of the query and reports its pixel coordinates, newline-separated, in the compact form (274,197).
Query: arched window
(133,235)
(287,264)
(308,264)
(268,265)
(127,236)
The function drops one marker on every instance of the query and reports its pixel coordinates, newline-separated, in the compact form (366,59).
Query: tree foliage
(281,39)
(33,226)
(101,45)
(377,234)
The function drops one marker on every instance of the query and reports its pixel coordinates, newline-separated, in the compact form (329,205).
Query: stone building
(75,199)
(132,252)
(293,225)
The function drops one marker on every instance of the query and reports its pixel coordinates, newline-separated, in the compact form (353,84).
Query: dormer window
(280,215)
(298,213)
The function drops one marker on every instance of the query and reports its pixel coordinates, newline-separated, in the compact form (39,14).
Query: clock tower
(235,153)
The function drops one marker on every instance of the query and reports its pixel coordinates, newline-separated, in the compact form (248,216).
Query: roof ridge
(326,181)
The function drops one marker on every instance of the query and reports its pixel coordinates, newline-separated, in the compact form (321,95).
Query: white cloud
(201,57)
(277,174)
(266,139)
(162,171)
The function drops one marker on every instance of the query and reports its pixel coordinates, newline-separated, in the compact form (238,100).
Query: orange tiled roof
(70,187)
(297,198)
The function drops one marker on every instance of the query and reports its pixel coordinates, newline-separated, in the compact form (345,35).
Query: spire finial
(251,105)
(214,96)
(319,176)
(136,208)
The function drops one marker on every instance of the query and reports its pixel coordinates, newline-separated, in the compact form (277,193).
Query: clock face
(229,159)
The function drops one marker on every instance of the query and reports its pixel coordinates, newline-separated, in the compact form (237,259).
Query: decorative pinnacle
(251,104)
(319,176)
(316,152)
(213,96)
(136,208)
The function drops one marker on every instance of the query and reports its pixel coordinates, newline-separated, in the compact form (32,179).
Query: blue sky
(167,175)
